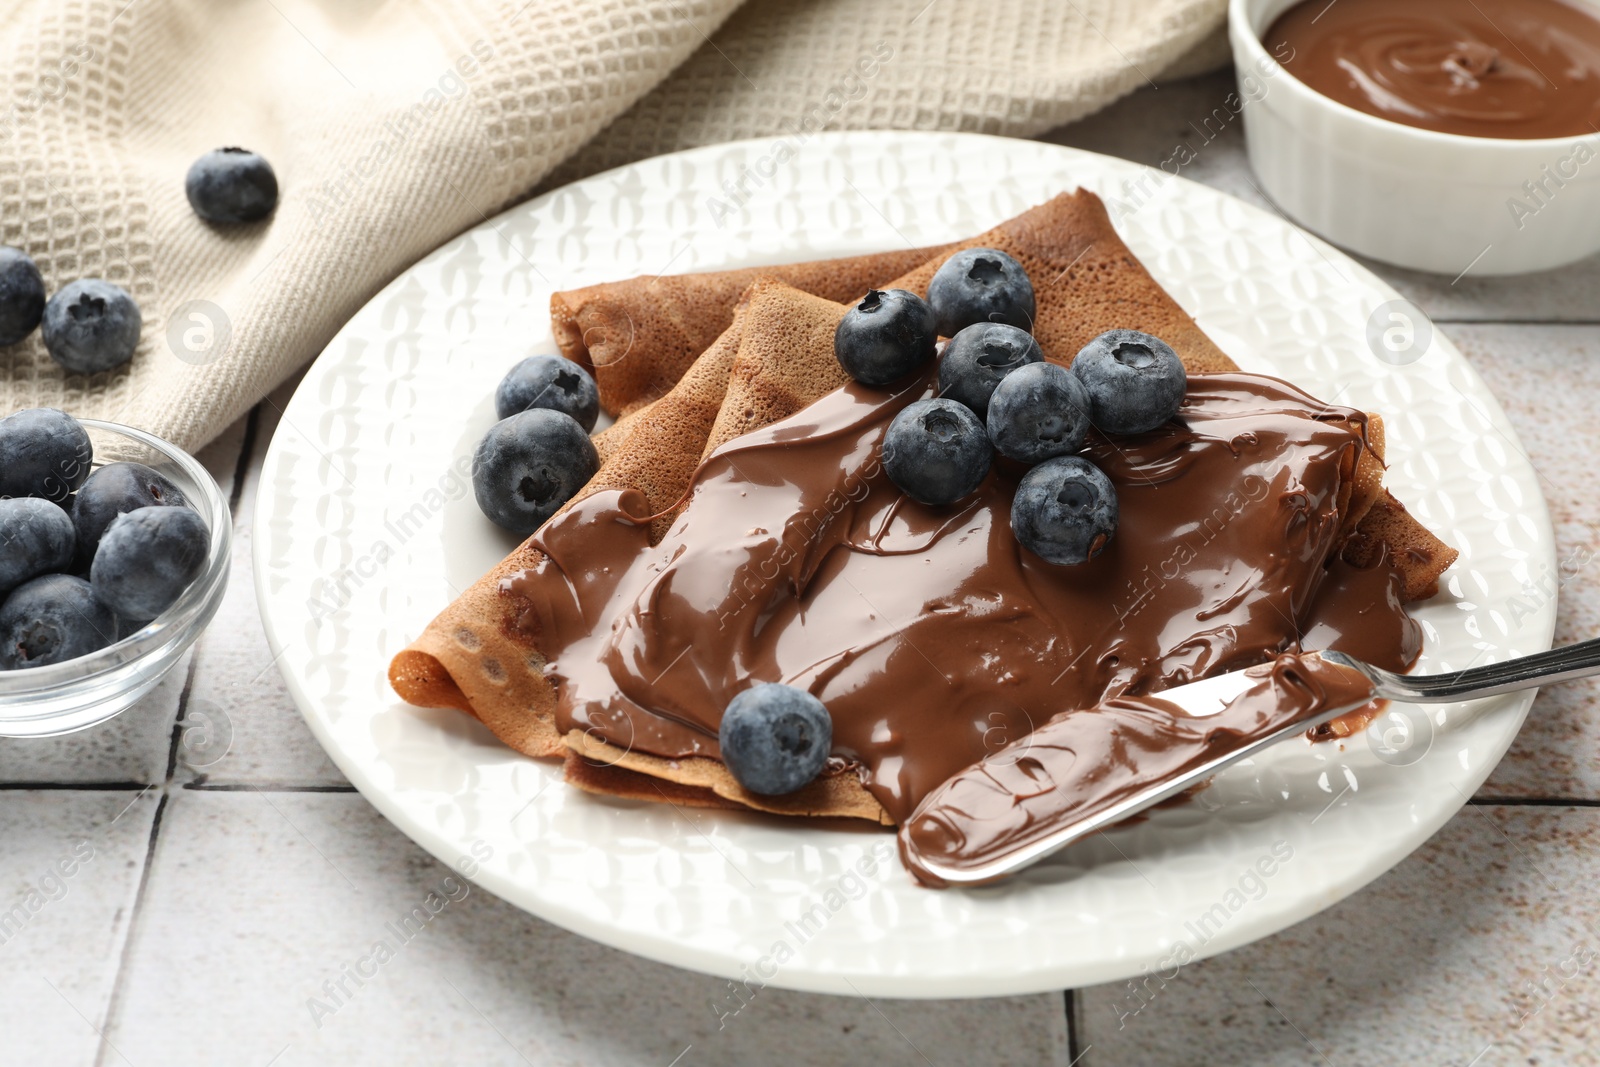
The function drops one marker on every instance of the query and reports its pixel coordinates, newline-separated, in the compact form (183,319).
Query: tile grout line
(267,787)
(176,740)
(1069,999)
(1512,322)
(1534,802)
(119,982)
(63,787)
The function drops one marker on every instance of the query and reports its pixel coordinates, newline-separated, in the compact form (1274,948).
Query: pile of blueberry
(84,556)
(998,394)
(539,454)
(92,325)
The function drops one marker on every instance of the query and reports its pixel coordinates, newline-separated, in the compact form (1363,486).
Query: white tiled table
(215,896)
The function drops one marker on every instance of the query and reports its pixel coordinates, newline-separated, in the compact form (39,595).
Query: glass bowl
(62,697)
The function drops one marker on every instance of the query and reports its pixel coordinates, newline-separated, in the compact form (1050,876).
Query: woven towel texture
(393,126)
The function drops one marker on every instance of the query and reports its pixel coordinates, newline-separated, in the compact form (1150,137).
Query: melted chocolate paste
(1481,68)
(1085,760)
(931,635)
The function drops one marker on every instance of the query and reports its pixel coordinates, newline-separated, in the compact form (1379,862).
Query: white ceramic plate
(366,528)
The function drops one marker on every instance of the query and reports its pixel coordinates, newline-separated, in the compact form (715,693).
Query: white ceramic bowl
(63,697)
(1415,198)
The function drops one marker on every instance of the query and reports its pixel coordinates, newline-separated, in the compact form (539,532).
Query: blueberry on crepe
(775,738)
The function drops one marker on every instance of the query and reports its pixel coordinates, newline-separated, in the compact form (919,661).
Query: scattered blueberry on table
(1065,510)
(231,185)
(884,336)
(936,451)
(553,382)
(978,357)
(91,325)
(980,285)
(775,738)
(43,453)
(21,295)
(1135,381)
(530,464)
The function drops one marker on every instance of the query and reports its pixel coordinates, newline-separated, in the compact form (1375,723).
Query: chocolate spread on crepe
(1084,760)
(930,634)
(774,358)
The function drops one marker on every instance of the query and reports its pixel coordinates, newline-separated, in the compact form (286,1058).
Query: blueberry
(21,295)
(231,185)
(885,336)
(775,738)
(549,382)
(147,558)
(980,285)
(51,619)
(43,452)
(978,357)
(115,489)
(1065,510)
(1038,411)
(91,325)
(35,538)
(1135,382)
(530,464)
(936,451)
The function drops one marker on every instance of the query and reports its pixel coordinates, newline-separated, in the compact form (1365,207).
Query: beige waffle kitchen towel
(394,125)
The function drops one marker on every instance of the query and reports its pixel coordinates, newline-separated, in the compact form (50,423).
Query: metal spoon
(1209,696)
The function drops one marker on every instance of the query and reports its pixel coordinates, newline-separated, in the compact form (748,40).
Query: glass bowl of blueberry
(114,552)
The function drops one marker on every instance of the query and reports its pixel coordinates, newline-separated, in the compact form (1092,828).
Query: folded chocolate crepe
(639,336)
(773,357)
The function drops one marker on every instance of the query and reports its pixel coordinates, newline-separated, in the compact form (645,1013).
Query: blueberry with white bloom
(35,538)
(936,451)
(52,619)
(552,382)
(1065,510)
(885,335)
(530,464)
(21,295)
(43,452)
(147,558)
(978,357)
(91,325)
(231,185)
(1135,381)
(775,738)
(980,285)
(1037,412)
(116,489)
